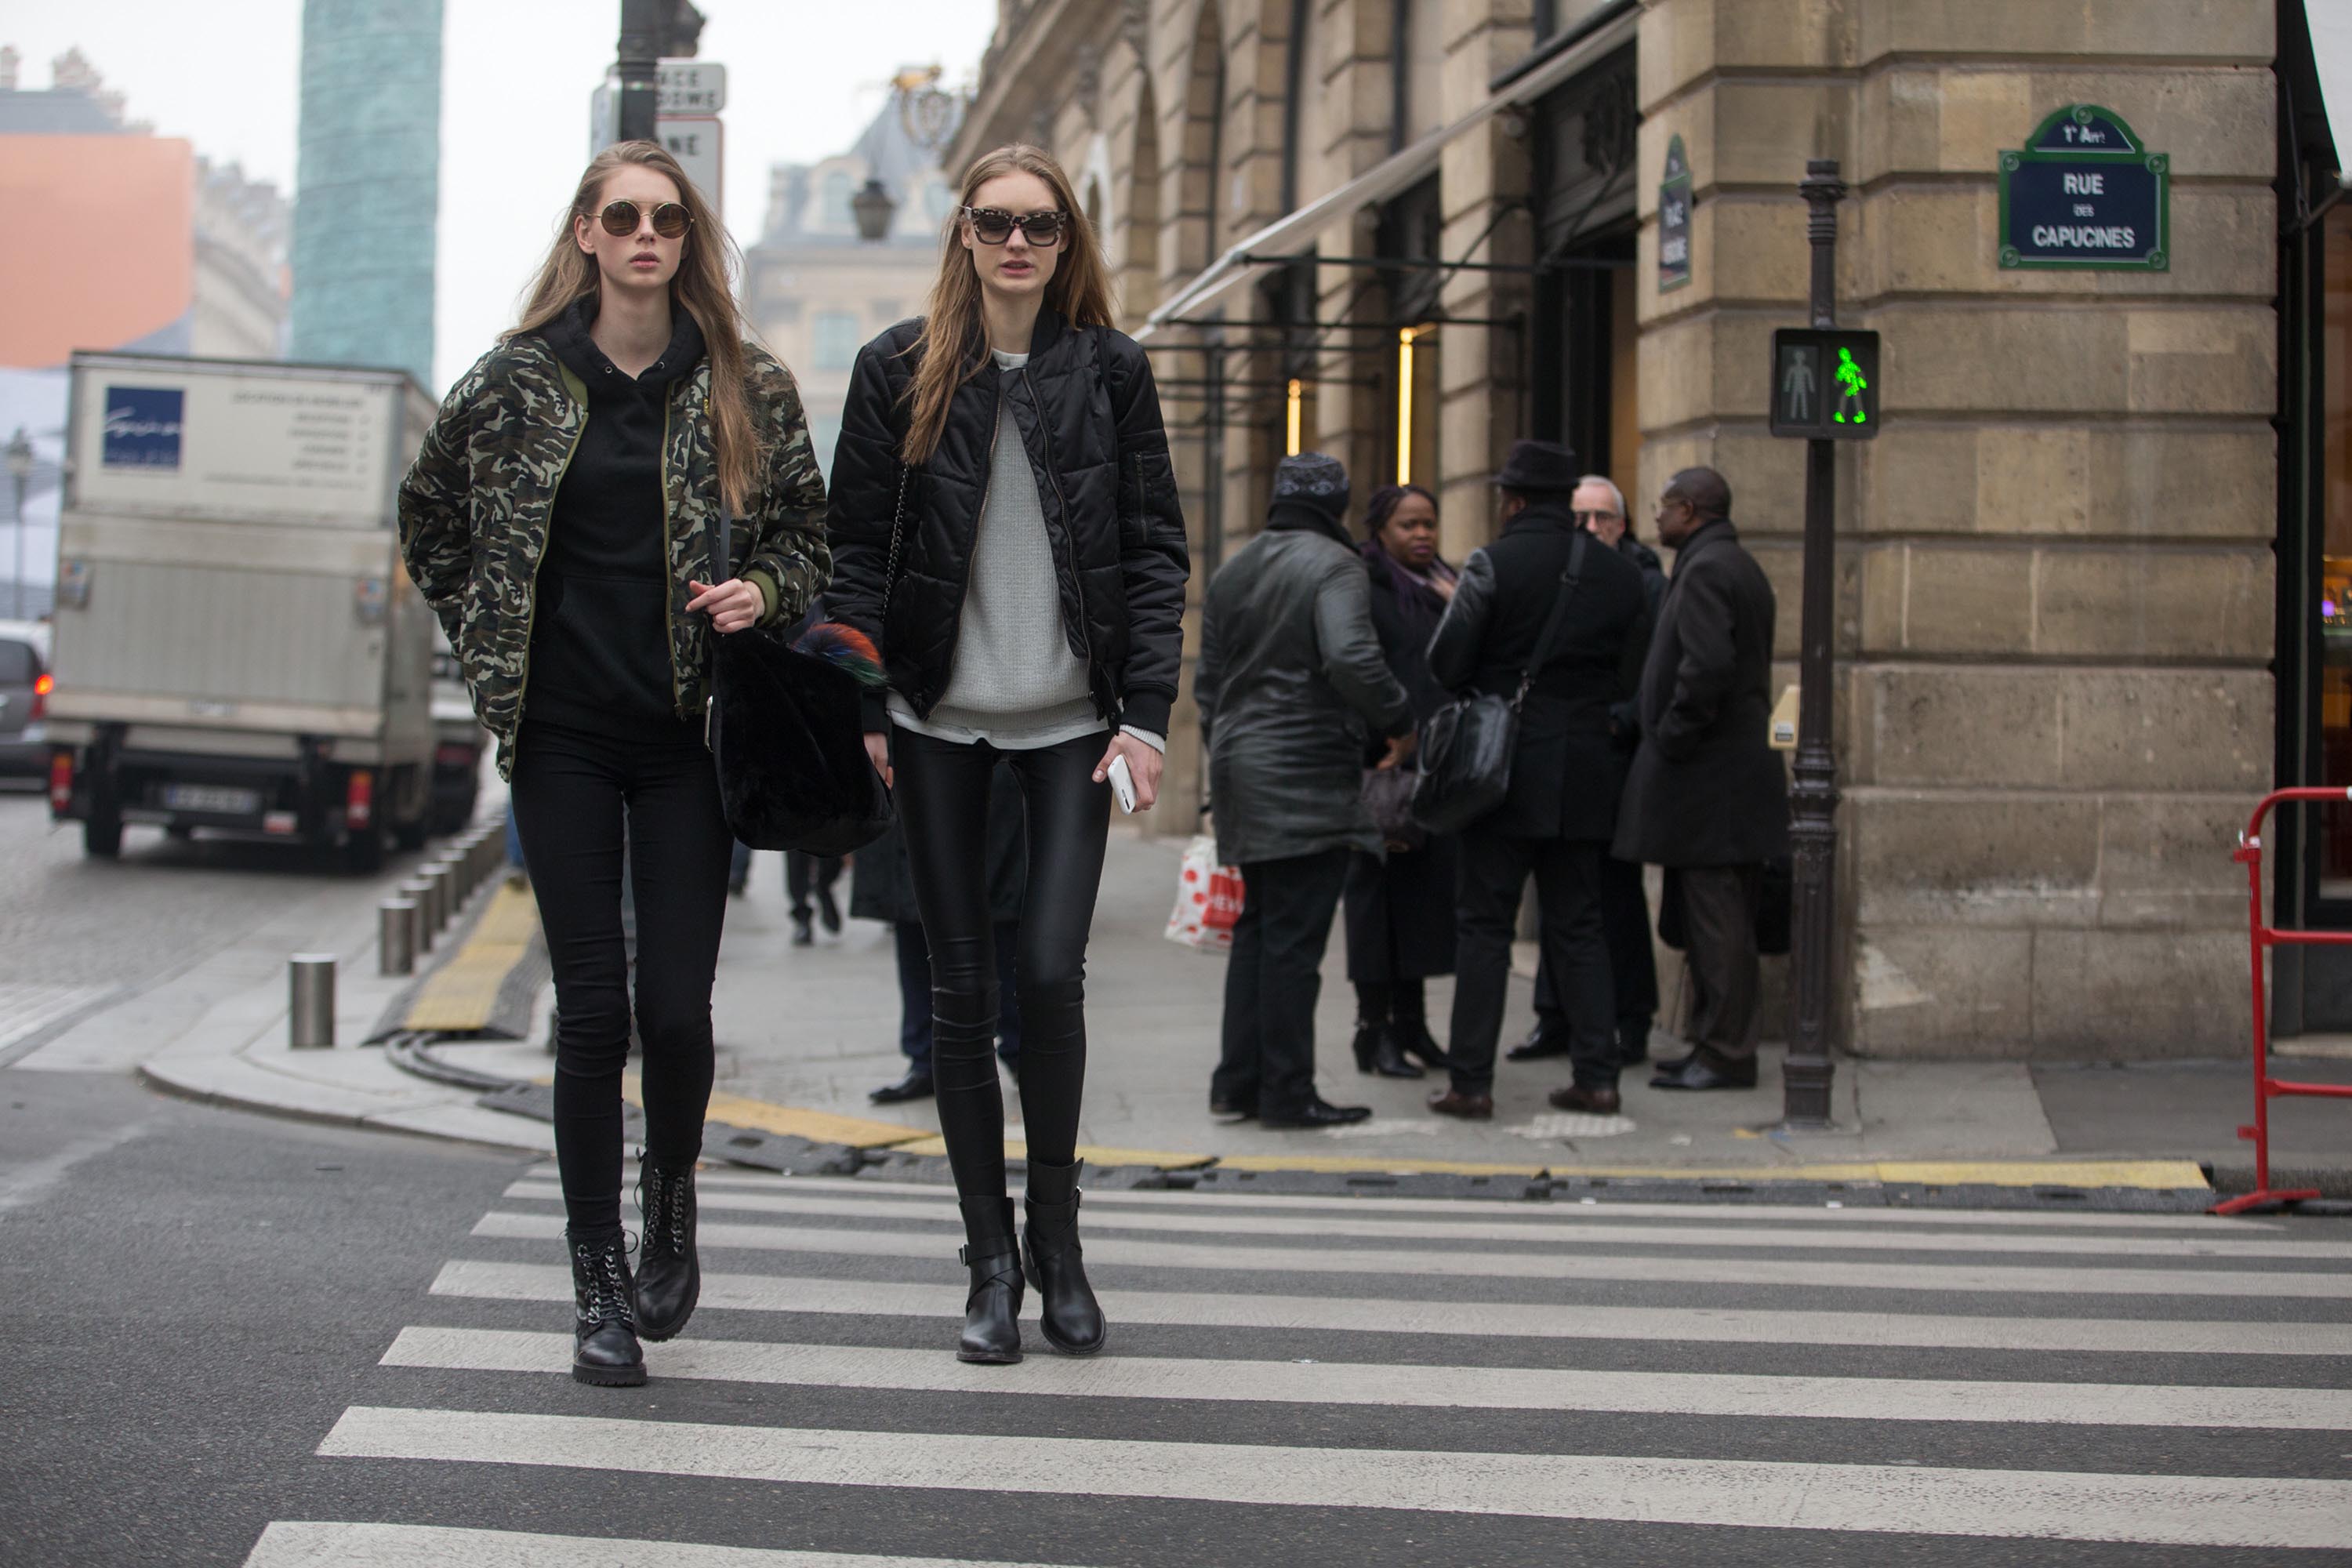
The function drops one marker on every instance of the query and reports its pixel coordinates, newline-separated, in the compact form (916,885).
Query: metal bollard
(311,1017)
(396,936)
(419,892)
(440,903)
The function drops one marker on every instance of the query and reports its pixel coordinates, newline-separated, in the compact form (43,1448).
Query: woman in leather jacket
(562,518)
(1006,528)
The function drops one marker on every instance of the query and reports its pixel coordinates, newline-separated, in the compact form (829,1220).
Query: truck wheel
(101,834)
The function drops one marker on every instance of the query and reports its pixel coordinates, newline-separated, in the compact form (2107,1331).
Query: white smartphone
(1123,785)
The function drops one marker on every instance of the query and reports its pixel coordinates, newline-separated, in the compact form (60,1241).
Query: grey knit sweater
(1017,683)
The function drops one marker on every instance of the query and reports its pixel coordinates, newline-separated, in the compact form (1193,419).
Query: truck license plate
(220,798)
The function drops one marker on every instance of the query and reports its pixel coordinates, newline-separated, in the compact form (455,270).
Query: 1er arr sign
(2084,192)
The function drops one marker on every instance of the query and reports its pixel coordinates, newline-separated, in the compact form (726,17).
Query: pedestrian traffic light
(1825,383)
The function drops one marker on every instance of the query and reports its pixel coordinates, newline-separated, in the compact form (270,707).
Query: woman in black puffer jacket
(1005,529)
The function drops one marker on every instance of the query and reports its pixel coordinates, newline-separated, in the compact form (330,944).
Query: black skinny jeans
(572,790)
(942,799)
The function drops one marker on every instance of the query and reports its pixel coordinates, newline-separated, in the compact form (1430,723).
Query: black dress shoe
(669,1271)
(1666,1065)
(604,1314)
(828,911)
(1232,1109)
(1537,1046)
(1379,1051)
(1316,1113)
(1700,1073)
(1415,1044)
(916,1084)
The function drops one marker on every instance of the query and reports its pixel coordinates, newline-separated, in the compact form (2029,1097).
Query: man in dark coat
(1600,510)
(1290,683)
(1706,796)
(1561,809)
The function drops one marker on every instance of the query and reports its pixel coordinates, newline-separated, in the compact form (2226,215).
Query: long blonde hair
(953,345)
(699,287)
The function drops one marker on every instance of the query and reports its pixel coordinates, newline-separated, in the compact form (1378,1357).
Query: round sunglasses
(670,219)
(991,226)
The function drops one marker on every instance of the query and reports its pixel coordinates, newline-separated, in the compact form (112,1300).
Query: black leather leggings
(942,799)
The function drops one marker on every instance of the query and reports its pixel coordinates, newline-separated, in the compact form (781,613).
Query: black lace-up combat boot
(992,1314)
(1068,1313)
(604,1314)
(670,1273)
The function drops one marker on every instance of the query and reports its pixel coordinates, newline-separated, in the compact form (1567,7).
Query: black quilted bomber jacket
(1089,418)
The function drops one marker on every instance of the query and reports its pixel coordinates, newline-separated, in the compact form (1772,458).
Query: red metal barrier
(2266,1088)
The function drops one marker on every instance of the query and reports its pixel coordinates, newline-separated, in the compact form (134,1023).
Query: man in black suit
(1561,809)
(1706,796)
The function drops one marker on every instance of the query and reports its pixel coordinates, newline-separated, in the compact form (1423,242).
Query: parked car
(24,700)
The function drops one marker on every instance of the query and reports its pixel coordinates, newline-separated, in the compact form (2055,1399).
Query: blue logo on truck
(143,427)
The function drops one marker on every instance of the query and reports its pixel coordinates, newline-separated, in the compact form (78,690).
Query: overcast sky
(803,77)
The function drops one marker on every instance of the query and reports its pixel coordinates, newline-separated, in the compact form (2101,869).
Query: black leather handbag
(786,730)
(1465,746)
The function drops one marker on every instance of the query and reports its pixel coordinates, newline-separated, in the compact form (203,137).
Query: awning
(2331,51)
(1293,234)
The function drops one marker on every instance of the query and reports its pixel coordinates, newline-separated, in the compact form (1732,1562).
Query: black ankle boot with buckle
(670,1273)
(1068,1313)
(605,1349)
(992,1314)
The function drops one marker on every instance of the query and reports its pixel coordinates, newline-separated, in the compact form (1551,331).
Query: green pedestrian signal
(1825,383)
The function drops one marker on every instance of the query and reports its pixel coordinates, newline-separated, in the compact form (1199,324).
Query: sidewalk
(817,1028)
(804,1033)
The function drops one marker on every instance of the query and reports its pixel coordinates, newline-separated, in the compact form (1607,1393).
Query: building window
(1417,58)
(833,204)
(837,340)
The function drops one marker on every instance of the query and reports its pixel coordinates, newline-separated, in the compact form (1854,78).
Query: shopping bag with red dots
(1208,899)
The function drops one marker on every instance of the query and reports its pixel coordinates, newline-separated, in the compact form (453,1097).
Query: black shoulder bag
(1465,747)
(786,730)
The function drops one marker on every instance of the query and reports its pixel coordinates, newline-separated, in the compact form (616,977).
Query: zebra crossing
(1380,1380)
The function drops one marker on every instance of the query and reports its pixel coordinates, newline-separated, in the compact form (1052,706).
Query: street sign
(1674,220)
(697,141)
(2084,193)
(1825,384)
(690,87)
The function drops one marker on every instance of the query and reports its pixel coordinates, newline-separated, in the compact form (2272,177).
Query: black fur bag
(787,732)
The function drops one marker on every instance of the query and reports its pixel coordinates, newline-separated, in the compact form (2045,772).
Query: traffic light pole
(1813,797)
(640,60)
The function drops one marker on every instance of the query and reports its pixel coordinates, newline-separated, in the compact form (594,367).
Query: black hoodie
(599,647)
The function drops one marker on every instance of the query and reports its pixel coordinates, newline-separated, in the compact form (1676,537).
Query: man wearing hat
(1544,586)
(1291,684)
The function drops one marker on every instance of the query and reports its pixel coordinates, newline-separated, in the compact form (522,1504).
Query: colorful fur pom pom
(847,646)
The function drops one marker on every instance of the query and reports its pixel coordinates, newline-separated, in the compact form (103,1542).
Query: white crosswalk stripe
(2075,1377)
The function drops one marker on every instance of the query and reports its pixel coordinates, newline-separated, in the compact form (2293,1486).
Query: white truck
(238,648)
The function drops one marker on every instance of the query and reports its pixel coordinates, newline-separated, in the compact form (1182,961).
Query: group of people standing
(626,476)
(1641,738)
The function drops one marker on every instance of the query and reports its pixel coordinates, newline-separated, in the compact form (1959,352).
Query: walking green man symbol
(1851,384)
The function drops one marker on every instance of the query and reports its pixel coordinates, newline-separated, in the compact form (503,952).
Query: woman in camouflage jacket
(562,519)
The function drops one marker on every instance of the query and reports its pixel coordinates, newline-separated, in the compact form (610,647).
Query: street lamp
(872,206)
(20,469)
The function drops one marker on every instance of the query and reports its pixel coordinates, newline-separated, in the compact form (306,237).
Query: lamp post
(872,207)
(638,59)
(1813,795)
(20,470)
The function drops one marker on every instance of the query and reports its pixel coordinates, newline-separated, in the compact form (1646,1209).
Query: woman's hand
(732,605)
(877,752)
(1143,765)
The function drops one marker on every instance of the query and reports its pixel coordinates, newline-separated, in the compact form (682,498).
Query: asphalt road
(222,1326)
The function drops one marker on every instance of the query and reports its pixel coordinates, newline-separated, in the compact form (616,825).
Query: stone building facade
(2081,575)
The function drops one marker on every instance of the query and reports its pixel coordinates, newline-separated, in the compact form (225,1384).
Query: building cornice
(1046,44)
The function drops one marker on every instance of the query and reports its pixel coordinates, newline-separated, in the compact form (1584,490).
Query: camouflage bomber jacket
(477,504)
